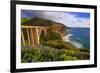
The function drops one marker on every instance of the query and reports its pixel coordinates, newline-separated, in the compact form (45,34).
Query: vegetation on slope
(23,20)
(53,49)
(51,54)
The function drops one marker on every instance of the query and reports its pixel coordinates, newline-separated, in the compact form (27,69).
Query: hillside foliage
(52,48)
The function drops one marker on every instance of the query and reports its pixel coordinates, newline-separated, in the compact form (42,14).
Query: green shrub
(50,36)
(38,54)
(30,55)
(67,58)
(51,54)
(85,50)
(53,36)
(23,20)
(59,44)
(26,55)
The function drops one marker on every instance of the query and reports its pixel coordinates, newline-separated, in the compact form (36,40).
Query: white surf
(76,43)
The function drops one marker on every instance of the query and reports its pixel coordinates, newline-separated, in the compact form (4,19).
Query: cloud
(67,18)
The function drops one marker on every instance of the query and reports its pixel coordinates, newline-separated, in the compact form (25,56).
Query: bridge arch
(33,34)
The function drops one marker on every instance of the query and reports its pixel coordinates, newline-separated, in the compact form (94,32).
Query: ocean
(80,37)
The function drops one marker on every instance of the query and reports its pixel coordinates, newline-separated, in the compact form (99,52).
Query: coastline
(75,43)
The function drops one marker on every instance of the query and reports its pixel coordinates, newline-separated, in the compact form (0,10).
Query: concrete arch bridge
(32,34)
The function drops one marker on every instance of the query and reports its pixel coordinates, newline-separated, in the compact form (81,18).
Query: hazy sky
(71,19)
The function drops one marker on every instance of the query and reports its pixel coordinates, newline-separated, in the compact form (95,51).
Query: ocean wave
(76,43)
(69,35)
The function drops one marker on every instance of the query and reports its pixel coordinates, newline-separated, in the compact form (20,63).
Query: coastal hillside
(53,26)
(51,46)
